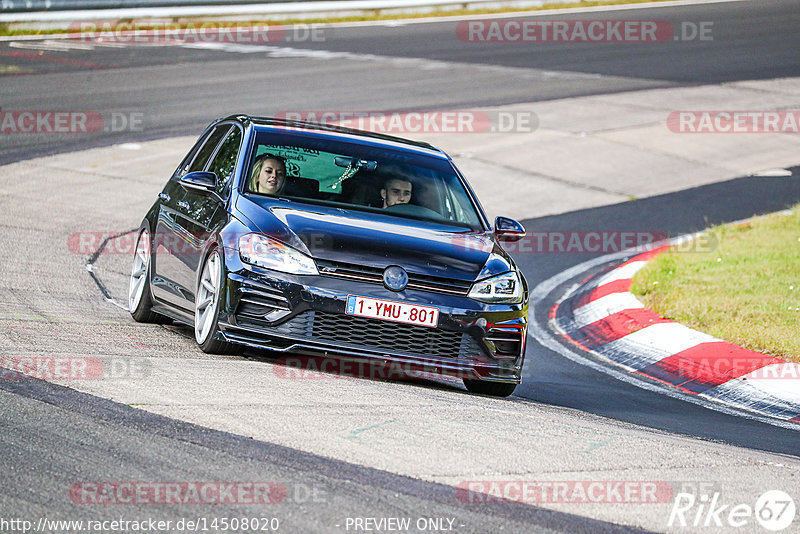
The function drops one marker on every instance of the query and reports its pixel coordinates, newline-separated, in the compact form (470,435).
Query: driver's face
(270,179)
(396,192)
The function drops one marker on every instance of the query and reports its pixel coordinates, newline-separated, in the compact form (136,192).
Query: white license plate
(389,310)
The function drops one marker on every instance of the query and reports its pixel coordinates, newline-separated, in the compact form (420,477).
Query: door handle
(164,196)
(183,204)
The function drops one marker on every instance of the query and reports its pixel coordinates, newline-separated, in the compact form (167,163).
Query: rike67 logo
(774,510)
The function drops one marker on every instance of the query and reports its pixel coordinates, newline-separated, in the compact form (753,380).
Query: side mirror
(199,182)
(508,229)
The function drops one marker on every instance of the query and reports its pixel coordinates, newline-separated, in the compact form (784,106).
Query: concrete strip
(586,152)
(52,308)
(616,147)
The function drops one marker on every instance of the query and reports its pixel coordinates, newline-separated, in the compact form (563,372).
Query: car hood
(377,240)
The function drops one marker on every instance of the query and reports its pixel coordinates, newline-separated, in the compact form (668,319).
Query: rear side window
(208,147)
(187,161)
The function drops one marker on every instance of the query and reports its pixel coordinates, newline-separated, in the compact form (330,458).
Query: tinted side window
(187,161)
(204,153)
(225,160)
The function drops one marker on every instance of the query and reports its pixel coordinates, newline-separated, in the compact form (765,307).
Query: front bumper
(306,315)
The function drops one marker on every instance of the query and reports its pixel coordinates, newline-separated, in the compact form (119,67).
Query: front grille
(374,334)
(375,275)
(387,335)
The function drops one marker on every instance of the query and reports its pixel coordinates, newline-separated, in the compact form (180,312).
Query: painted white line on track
(779,379)
(603,307)
(626,272)
(665,338)
(51,45)
(283,52)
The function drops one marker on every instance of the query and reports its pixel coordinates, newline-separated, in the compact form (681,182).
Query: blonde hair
(252,184)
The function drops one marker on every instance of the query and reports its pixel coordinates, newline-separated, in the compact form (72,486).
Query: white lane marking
(603,307)
(130,146)
(282,52)
(779,379)
(774,173)
(51,45)
(652,344)
(671,338)
(112,43)
(547,338)
(230,47)
(626,272)
(753,395)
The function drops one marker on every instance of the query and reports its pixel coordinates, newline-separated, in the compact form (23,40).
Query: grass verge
(7,29)
(745,289)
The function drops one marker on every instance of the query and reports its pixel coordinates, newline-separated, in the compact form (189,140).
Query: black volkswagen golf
(321,240)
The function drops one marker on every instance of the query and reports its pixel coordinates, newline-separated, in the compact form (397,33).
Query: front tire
(206,310)
(140,303)
(493,389)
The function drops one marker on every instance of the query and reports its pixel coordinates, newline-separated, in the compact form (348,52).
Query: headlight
(503,288)
(260,250)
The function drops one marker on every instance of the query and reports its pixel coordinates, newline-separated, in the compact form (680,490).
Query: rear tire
(493,389)
(206,309)
(140,303)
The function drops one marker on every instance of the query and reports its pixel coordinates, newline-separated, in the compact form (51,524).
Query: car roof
(276,124)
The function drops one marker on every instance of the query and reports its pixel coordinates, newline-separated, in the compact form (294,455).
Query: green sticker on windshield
(309,163)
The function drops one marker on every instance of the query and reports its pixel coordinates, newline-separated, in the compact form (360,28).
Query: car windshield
(361,177)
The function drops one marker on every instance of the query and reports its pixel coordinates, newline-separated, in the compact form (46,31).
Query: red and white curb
(603,317)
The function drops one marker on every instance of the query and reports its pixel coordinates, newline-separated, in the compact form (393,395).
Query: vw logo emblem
(395,278)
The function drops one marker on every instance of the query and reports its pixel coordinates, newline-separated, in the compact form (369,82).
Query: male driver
(396,191)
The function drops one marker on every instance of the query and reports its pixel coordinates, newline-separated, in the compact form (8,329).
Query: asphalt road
(53,436)
(174,90)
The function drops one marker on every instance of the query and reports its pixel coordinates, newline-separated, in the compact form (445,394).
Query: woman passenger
(268,175)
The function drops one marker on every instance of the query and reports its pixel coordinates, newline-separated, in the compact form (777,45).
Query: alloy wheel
(207,299)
